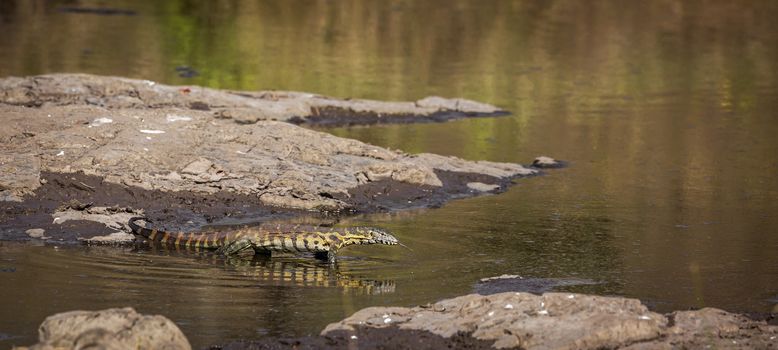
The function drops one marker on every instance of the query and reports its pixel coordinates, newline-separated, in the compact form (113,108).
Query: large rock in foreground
(179,154)
(506,320)
(109,329)
(567,321)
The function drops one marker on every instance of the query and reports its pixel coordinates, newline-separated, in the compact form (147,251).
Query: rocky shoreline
(509,320)
(83,152)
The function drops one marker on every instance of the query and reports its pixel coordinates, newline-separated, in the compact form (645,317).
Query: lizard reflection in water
(306,274)
(287,271)
(324,242)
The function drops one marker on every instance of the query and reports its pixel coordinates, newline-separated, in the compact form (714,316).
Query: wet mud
(188,211)
(364,338)
(169,210)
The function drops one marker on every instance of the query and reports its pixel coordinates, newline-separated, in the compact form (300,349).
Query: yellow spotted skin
(322,241)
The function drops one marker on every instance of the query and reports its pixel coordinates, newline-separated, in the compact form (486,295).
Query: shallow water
(665,110)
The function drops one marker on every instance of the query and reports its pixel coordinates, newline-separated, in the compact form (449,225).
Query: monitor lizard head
(366,235)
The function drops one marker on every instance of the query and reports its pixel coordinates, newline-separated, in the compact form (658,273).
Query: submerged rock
(514,283)
(544,162)
(109,329)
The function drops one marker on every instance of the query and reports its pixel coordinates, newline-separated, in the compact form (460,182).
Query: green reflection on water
(665,110)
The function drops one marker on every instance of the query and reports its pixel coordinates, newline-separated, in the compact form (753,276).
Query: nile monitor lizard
(323,242)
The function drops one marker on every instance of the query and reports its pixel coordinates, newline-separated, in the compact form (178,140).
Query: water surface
(666,111)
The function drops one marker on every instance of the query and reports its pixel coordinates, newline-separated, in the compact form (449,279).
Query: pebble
(544,162)
(35,232)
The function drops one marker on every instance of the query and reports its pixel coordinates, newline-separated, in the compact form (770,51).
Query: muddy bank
(364,338)
(82,152)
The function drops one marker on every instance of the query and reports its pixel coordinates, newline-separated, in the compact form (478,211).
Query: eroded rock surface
(240,106)
(75,136)
(109,329)
(567,321)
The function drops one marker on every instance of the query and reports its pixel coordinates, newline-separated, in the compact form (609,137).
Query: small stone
(35,232)
(544,162)
(200,166)
(482,187)
(113,238)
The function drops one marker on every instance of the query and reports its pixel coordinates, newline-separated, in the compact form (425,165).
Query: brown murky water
(666,110)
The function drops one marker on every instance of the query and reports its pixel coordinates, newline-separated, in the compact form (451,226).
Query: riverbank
(510,320)
(82,153)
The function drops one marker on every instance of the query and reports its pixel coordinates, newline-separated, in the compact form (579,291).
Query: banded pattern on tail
(284,238)
(190,239)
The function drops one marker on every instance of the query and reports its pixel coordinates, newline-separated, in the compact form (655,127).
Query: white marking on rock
(491,313)
(100,121)
(353,337)
(543,312)
(508,306)
(61,153)
(146,131)
(175,118)
(644,317)
(148,137)
(387,320)
(240,152)
(145,149)
(385,315)
(571,296)
(56,220)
